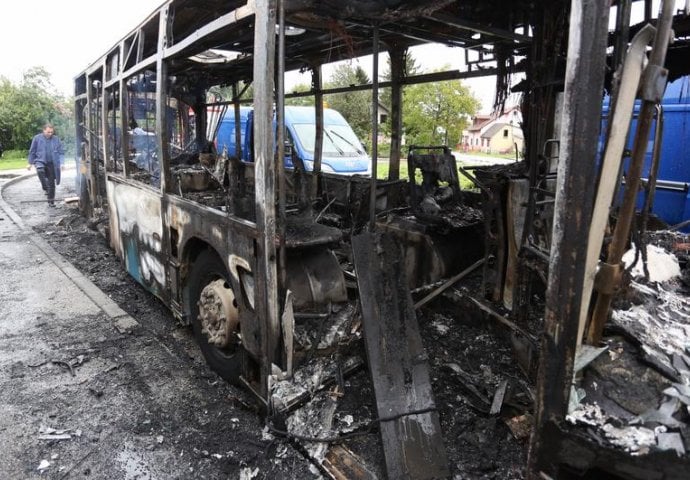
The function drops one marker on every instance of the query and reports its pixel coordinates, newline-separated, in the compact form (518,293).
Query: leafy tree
(26,107)
(435,113)
(354,106)
(223,93)
(411,69)
(301,101)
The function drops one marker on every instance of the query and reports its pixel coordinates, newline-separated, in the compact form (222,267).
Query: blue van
(672,198)
(343,153)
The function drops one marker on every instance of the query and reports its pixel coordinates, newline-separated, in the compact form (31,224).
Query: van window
(338,140)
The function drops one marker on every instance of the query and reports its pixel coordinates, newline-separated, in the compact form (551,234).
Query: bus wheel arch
(211,308)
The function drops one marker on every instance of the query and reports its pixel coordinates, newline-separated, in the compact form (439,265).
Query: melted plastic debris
(662,323)
(305,380)
(338,329)
(588,414)
(634,439)
(308,379)
(315,420)
(326,333)
(662,265)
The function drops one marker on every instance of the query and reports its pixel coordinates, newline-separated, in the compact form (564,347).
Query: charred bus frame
(158,76)
(160,73)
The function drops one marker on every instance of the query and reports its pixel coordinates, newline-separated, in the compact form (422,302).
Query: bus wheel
(215,318)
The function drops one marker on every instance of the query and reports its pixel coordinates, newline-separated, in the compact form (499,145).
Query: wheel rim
(218,315)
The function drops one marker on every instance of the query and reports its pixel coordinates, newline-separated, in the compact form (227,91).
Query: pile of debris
(636,393)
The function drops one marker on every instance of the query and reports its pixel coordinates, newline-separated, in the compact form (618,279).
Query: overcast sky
(65,36)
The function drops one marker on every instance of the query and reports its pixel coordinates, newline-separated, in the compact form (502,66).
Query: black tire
(229,363)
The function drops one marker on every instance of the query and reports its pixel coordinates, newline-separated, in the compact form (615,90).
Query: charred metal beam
(422,36)
(397,58)
(234,163)
(477,27)
(425,78)
(374,129)
(318,116)
(280,163)
(218,24)
(573,209)
(622,35)
(651,184)
(124,140)
(496,316)
(140,42)
(266,277)
(162,144)
(449,283)
(104,118)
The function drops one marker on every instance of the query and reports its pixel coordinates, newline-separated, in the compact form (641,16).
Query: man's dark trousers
(46,174)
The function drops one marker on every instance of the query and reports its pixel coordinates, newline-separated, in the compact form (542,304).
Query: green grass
(13,159)
(508,156)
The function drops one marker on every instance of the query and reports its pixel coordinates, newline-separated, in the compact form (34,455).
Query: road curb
(121,319)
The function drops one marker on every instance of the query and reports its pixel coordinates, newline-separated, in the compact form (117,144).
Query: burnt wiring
(366,429)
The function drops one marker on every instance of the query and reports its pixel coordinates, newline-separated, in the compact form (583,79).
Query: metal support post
(574,198)
(266,275)
(374,129)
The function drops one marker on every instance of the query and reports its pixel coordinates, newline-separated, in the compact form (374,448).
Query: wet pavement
(88,392)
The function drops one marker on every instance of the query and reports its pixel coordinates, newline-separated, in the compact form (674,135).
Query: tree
(223,93)
(26,107)
(301,101)
(411,69)
(354,106)
(436,113)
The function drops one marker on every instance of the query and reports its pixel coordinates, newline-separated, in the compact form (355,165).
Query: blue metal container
(672,199)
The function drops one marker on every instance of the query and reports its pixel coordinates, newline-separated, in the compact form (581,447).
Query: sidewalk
(46,305)
(66,275)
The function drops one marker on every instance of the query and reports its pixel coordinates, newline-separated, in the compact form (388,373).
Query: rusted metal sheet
(412,442)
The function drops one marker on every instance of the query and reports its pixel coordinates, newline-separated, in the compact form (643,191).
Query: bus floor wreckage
(412,440)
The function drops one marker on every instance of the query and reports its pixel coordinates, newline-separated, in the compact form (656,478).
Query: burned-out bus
(255,256)
(281,271)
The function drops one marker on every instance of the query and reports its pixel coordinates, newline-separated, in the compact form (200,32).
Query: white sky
(65,36)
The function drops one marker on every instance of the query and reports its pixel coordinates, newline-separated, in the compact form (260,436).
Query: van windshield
(338,140)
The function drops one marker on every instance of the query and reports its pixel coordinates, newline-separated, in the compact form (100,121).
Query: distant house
(494,134)
(383,113)
(471,137)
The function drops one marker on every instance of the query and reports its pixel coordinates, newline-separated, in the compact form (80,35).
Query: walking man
(47,155)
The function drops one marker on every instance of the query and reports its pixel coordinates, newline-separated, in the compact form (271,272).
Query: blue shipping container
(672,199)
